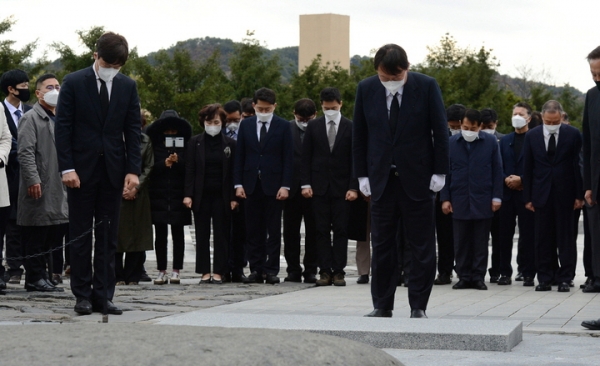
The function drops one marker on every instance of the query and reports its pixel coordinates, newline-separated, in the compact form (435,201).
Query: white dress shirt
(336,122)
(547,136)
(389,96)
(11,108)
(259,125)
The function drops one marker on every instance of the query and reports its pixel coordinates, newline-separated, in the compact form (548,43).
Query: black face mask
(597,84)
(24,94)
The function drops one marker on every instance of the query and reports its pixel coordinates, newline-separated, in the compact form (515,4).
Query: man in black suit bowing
(400,149)
(98,145)
(327,179)
(262,174)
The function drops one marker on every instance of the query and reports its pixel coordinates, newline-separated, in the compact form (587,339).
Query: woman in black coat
(209,191)
(168,134)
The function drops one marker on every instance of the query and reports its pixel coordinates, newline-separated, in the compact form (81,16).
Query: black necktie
(263,134)
(394,113)
(103,99)
(552,145)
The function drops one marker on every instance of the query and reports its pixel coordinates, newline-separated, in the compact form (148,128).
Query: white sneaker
(175,279)
(161,279)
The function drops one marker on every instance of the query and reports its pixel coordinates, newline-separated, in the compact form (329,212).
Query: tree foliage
(11,58)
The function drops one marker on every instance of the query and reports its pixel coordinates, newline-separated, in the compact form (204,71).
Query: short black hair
(473,115)
(211,111)
(392,59)
(112,48)
(232,106)
(330,95)
(524,105)
(12,78)
(43,78)
(305,108)
(247,106)
(594,55)
(264,94)
(536,119)
(456,112)
(488,115)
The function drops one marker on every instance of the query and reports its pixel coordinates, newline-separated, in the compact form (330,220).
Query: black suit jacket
(419,147)
(296,183)
(591,142)
(12,169)
(562,175)
(82,136)
(323,168)
(274,161)
(195,164)
(511,164)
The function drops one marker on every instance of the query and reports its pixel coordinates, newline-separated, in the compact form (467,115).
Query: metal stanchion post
(105,279)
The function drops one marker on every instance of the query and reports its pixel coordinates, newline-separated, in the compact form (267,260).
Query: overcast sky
(549,37)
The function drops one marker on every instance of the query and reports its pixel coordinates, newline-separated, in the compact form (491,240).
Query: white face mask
(552,128)
(454,132)
(107,73)
(51,98)
(301,125)
(518,121)
(264,117)
(331,113)
(393,86)
(489,130)
(212,130)
(469,136)
(233,126)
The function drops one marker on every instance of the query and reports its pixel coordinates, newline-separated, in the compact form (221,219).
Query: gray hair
(552,106)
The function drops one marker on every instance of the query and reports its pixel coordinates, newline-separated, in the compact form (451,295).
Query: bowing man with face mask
(98,145)
(209,192)
(42,209)
(298,206)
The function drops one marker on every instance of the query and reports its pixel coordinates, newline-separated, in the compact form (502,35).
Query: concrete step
(397,333)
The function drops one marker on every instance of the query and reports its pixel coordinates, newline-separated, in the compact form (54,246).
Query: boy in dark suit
(553,188)
(262,175)
(327,178)
(473,192)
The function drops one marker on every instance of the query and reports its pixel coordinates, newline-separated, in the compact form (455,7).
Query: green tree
(571,105)
(69,61)
(11,58)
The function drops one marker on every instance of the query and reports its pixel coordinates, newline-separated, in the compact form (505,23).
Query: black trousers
(130,269)
(237,243)
(512,210)
(419,221)
(293,210)
(554,229)
(593,214)
(263,229)
(587,244)
(58,261)
(161,238)
(212,208)
(14,249)
(331,215)
(471,248)
(38,239)
(445,241)
(404,254)
(495,233)
(96,200)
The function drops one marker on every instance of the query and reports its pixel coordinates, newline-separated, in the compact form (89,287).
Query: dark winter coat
(166,184)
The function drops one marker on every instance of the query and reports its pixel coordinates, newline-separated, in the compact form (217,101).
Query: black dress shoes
(527,281)
(543,286)
(588,281)
(2,284)
(379,313)
(591,288)
(494,279)
(293,277)
(43,286)
(479,285)
(519,277)
(111,308)
(238,278)
(271,279)
(591,324)
(504,281)
(83,307)
(461,285)
(563,287)
(254,277)
(417,313)
(145,278)
(363,279)
(310,278)
(442,279)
